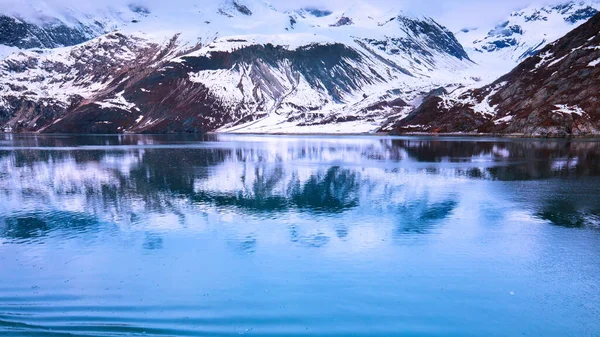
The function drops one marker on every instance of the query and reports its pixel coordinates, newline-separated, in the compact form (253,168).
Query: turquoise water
(298,236)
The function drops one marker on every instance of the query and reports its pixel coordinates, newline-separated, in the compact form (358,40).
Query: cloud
(455,14)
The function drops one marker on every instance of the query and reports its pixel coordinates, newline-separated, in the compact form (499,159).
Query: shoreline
(415,134)
(321,134)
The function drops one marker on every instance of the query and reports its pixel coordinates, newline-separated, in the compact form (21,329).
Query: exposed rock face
(552,94)
(433,37)
(42,25)
(21,34)
(343,21)
(242,8)
(317,12)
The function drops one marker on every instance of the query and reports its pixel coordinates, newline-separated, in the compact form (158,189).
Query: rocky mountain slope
(234,66)
(551,94)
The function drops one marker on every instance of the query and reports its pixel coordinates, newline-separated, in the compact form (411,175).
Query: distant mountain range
(526,32)
(244,66)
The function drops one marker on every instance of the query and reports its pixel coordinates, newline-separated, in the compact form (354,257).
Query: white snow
(544,59)
(564,163)
(484,106)
(117,102)
(594,63)
(503,120)
(557,60)
(5,51)
(566,109)
(277,124)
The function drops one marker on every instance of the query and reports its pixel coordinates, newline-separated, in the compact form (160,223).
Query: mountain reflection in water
(280,199)
(97,178)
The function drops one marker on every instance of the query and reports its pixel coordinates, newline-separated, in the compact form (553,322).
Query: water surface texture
(298,236)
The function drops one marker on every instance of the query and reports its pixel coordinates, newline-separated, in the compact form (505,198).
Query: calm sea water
(298,236)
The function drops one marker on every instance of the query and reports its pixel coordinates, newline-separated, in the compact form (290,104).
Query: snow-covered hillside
(500,47)
(233,65)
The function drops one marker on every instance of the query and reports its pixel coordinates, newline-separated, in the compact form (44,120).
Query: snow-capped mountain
(524,33)
(234,65)
(245,66)
(35,24)
(551,94)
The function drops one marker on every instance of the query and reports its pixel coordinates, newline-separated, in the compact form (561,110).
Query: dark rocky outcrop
(21,34)
(242,8)
(422,38)
(343,21)
(318,12)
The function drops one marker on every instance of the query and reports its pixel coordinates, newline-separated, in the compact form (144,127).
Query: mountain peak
(524,33)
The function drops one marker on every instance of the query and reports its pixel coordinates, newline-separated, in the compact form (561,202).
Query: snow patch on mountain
(7,50)
(569,110)
(594,63)
(484,107)
(502,120)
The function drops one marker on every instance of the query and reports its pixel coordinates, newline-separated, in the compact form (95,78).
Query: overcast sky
(455,14)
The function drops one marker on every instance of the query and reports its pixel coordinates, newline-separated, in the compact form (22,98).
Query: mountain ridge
(310,75)
(244,66)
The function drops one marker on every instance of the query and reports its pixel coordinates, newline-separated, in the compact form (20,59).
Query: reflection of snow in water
(275,179)
(562,164)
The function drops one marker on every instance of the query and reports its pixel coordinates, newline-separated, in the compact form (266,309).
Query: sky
(455,14)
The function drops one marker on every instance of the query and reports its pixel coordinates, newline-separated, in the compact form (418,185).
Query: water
(297,236)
